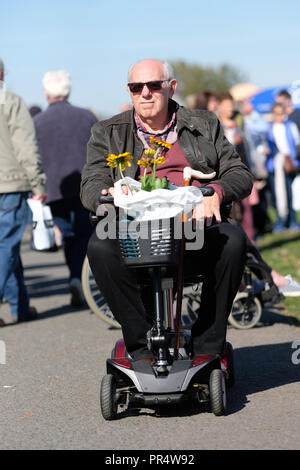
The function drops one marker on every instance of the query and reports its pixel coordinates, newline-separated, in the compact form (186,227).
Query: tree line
(194,78)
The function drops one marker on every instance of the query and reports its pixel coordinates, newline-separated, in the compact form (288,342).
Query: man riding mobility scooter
(175,375)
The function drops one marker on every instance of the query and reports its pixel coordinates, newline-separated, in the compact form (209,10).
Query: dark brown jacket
(200,137)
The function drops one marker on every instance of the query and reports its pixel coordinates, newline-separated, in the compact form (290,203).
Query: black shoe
(31,315)
(142,354)
(77,297)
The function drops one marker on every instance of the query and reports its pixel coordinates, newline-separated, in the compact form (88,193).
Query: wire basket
(151,243)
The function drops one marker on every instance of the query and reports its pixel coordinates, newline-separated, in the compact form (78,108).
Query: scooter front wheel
(108,398)
(217,392)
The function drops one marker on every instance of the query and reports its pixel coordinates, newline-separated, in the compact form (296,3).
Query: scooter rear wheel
(108,399)
(217,392)
(94,297)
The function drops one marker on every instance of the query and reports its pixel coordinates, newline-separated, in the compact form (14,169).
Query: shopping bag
(157,204)
(43,237)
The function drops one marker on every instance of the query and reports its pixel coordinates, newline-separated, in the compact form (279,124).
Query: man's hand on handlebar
(107,195)
(111,191)
(209,208)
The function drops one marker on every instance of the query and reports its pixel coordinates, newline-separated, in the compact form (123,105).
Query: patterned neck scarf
(168,134)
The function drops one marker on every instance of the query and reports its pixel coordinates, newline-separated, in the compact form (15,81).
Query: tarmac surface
(49,385)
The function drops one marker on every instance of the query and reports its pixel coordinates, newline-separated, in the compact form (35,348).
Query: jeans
(15,293)
(14,217)
(72,219)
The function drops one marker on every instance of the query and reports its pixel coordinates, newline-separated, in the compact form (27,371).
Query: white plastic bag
(296,193)
(43,237)
(157,204)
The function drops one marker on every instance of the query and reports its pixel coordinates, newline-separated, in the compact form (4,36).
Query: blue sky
(97,41)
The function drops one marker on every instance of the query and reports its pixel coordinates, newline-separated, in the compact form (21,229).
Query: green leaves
(149,183)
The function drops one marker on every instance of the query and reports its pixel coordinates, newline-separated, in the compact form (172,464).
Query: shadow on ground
(43,266)
(42,286)
(260,368)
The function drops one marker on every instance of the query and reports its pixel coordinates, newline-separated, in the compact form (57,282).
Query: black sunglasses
(155,85)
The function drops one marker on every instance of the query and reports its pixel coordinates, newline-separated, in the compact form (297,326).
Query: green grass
(282,252)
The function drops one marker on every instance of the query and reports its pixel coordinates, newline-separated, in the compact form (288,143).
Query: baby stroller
(257,291)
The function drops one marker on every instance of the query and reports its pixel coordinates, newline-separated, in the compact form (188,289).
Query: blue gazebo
(263,100)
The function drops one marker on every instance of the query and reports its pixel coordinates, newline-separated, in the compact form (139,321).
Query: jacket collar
(185,118)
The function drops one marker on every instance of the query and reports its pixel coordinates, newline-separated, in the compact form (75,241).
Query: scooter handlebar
(207,191)
(107,199)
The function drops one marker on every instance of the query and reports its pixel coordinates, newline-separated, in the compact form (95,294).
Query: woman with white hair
(63,131)
(57,84)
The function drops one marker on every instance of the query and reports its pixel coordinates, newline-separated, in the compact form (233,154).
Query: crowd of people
(43,154)
(270,146)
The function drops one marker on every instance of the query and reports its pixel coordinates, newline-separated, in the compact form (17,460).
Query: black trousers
(73,221)
(221,261)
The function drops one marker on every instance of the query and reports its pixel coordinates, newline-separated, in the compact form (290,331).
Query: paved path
(49,386)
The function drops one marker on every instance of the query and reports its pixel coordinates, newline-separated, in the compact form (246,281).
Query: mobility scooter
(175,375)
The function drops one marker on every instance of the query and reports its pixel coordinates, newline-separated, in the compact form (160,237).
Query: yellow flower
(149,153)
(145,162)
(160,143)
(160,160)
(121,160)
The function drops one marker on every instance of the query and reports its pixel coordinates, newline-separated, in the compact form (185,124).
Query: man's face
(246,107)
(283,100)
(278,114)
(213,104)
(151,104)
(226,108)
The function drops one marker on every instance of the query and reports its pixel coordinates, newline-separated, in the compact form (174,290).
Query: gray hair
(167,69)
(57,84)
(1,65)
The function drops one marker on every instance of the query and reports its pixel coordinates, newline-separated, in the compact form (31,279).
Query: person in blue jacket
(282,165)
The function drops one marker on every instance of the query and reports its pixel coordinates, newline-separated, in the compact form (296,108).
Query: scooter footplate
(150,382)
